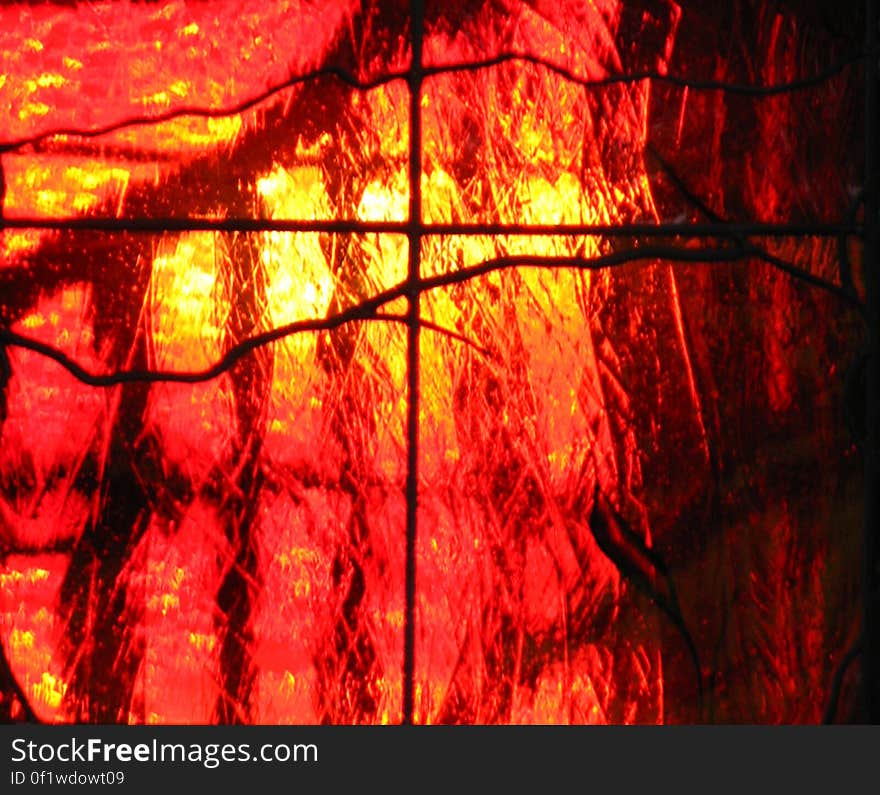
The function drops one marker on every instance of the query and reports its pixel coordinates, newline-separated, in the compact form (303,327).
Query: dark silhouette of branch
(809,278)
(837,682)
(202,112)
(743,89)
(360,312)
(682,187)
(643,567)
(705,255)
(432,326)
(355,82)
(738,232)
(368,309)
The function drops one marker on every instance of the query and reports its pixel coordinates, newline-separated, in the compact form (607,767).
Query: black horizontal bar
(699,230)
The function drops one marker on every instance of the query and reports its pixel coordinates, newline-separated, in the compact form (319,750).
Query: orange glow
(257,570)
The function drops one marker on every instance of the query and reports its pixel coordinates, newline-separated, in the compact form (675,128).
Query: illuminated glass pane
(632,455)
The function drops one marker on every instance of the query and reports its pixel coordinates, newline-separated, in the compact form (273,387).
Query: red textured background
(234,550)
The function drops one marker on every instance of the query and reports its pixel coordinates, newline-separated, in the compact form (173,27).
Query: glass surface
(636,452)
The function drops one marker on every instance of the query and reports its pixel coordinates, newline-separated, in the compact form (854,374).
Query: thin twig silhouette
(346,77)
(369,309)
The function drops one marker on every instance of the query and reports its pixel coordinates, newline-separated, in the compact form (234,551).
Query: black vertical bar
(870,574)
(414,234)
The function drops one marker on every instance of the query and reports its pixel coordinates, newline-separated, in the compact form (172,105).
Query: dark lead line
(725,230)
(353,81)
(414,235)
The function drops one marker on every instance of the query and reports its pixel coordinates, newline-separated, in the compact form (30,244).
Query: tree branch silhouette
(369,309)
(346,77)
